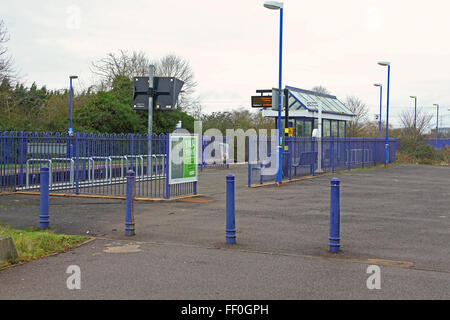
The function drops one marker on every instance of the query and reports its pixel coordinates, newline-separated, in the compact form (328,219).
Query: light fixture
(274,5)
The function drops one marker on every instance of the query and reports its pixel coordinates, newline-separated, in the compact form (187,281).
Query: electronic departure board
(261,101)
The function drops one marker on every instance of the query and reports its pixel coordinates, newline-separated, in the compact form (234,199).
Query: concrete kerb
(90,239)
(92,196)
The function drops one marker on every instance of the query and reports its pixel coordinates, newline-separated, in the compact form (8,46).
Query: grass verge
(33,243)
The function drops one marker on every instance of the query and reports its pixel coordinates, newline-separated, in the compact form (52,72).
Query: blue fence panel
(439,143)
(98,166)
(213,155)
(302,157)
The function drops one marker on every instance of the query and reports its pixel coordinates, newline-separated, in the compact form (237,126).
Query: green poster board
(183,164)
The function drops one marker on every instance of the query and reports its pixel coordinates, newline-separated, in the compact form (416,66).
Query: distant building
(443,132)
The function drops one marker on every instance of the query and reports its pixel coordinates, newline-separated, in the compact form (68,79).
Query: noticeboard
(183,164)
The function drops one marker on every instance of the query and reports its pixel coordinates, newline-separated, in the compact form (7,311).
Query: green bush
(419,150)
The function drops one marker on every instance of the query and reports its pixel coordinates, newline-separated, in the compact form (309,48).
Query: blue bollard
(335,213)
(230,220)
(129,216)
(44,217)
(386,155)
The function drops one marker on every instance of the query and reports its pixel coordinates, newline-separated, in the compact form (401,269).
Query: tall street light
(275,6)
(437,123)
(415,110)
(386,145)
(381,103)
(70,126)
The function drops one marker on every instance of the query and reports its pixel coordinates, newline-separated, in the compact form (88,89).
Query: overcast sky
(233,45)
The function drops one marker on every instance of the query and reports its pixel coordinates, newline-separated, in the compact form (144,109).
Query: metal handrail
(27,179)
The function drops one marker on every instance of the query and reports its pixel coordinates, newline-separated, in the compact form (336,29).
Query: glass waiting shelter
(303,116)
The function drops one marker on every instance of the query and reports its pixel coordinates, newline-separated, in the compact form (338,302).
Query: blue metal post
(279,176)
(437,125)
(129,217)
(44,218)
(230,219)
(386,146)
(168,159)
(249,164)
(70,126)
(381,105)
(332,153)
(21,152)
(415,112)
(77,189)
(335,213)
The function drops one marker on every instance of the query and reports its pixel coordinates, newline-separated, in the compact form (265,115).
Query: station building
(304,119)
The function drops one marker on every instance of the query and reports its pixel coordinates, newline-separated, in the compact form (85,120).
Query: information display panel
(183,158)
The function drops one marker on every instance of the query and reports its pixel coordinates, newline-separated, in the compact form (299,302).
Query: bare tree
(6,62)
(120,64)
(137,63)
(320,89)
(194,109)
(359,109)
(415,129)
(174,66)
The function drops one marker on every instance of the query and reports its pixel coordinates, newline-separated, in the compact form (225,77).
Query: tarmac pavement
(396,218)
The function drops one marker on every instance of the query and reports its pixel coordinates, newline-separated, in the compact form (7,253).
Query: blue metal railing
(98,166)
(302,159)
(214,154)
(439,143)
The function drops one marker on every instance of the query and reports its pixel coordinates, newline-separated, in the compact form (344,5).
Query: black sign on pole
(140,94)
(165,93)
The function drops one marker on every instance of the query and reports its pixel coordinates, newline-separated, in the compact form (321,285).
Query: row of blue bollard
(334,238)
(230,231)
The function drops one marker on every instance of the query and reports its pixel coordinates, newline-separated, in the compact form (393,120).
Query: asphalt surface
(396,218)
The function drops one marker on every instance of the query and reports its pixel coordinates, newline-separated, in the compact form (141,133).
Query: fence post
(44,218)
(332,154)
(202,148)
(129,216)
(230,219)
(334,242)
(374,152)
(363,151)
(167,138)
(313,162)
(21,159)
(77,152)
(227,159)
(249,168)
(349,154)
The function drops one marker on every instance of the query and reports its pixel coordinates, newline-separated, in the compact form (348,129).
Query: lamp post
(70,126)
(386,146)
(275,6)
(437,123)
(381,104)
(415,110)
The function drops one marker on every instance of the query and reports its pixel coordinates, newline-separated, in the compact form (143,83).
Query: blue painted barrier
(230,219)
(336,154)
(44,217)
(129,216)
(335,213)
(98,166)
